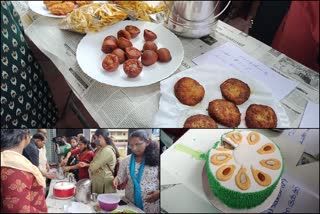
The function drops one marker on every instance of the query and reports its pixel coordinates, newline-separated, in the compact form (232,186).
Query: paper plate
(172,113)
(90,56)
(223,208)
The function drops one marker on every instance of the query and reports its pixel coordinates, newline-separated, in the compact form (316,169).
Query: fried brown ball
(260,116)
(224,112)
(235,91)
(200,121)
(189,91)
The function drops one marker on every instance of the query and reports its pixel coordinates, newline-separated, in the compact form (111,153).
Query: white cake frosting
(246,155)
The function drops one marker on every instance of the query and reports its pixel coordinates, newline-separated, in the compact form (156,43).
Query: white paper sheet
(299,190)
(172,113)
(310,117)
(309,138)
(234,58)
(175,200)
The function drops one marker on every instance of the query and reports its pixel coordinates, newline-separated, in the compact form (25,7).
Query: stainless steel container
(83,191)
(193,19)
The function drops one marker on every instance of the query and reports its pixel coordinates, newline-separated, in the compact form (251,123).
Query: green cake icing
(237,199)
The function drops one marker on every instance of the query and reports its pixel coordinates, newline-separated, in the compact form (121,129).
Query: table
(115,107)
(181,185)
(58,205)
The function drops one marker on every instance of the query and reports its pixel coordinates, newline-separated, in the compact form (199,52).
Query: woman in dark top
(26,100)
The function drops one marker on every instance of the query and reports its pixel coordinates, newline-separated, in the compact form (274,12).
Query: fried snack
(92,17)
(260,116)
(141,9)
(51,3)
(235,91)
(81,3)
(189,91)
(62,8)
(200,121)
(224,112)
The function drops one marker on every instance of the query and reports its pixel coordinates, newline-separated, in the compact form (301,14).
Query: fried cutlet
(51,3)
(62,9)
(189,91)
(200,121)
(224,112)
(260,116)
(235,91)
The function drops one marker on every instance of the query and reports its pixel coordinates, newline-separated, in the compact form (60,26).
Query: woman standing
(21,182)
(85,156)
(141,168)
(103,164)
(298,34)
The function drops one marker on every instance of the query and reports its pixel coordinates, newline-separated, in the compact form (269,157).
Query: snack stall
(85,203)
(202,49)
(64,167)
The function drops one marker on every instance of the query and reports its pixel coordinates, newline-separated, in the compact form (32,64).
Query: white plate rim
(33,5)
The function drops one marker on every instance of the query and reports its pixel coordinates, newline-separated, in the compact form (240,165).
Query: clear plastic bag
(93,17)
(140,10)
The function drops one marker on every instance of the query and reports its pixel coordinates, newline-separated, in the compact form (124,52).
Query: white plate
(224,208)
(40,8)
(172,113)
(90,56)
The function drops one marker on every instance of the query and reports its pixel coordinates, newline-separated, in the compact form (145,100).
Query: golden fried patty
(200,121)
(62,8)
(224,112)
(188,91)
(51,3)
(235,91)
(81,3)
(260,116)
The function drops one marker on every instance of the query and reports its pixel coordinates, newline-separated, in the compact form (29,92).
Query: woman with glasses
(103,164)
(21,182)
(141,168)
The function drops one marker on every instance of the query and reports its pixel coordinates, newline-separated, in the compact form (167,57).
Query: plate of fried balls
(130,54)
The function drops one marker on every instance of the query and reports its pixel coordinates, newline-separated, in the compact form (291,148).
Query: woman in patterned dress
(21,182)
(141,168)
(26,100)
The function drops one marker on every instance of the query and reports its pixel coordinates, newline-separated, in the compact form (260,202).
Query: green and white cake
(243,169)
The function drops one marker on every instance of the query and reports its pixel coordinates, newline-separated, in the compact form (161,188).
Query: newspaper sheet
(135,107)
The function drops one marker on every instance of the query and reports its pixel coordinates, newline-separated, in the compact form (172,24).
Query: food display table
(60,205)
(112,106)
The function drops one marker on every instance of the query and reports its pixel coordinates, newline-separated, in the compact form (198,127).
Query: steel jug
(193,19)
(83,191)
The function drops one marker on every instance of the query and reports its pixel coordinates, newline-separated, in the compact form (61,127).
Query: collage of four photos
(160,106)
